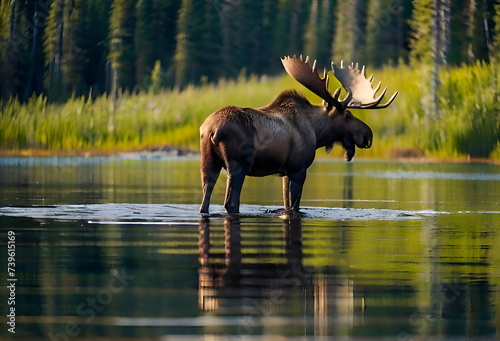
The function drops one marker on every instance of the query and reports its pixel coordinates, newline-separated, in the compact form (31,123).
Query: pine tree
(421,35)
(157,79)
(325,31)
(4,28)
(350,31)
(231,44)
(319,31)
(481,21)
(430,42)
(166,49)
(154,36)
(93,32)
(188,41)
(311,33)
(53,48)
(35,19)
(291,21)
(19,42)
(20,47)
(72,58)
(385,31)
(496,35)
(145,35)
(211,45)
(122,49)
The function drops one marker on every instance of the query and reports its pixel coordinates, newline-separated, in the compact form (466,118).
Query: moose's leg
(210,170)
(296,183)
(286,192)
(236,173)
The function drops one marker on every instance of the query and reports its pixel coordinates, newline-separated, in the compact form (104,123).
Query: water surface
(115,248)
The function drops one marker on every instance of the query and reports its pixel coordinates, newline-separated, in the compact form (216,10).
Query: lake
(114,248)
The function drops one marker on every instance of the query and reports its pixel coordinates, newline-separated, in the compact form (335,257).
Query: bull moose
(282,137)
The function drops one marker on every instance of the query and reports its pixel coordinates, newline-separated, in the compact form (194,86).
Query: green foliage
(191,25)
(154,36)
(122,49)
(157,79)
(348,32)
(496,42)
(386,32)
(319,30)
(421,36)
(468,125)
(4,28)
(470,114)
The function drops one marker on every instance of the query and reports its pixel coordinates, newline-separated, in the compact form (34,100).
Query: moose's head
(347,130)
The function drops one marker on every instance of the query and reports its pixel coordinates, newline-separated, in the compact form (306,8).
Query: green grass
(468,123)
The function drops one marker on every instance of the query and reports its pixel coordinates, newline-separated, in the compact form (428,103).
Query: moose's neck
(323,127)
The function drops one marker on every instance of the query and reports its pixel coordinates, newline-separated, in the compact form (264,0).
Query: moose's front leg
(295,183)
(236,173)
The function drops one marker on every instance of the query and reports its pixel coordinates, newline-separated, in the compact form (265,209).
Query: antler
(309,77)
(360,93)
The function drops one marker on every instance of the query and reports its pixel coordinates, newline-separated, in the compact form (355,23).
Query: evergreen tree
(53,48)
(188,66)
(319,31)
(231,44)
(431,37)
(459,38)
(262,45)
(157,79)
(291,21)
(350,31)
(93,32)
(145,35)
(72,57)
(17,54)
(155,35)
(481,13)
(122,50)
(4,28)
(210,53)
(385,32)
(325,31)
(4,39)
(421,35)
(496,35)
(311,33)
(21,29)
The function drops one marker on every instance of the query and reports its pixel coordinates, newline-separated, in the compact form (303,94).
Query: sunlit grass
(468,122)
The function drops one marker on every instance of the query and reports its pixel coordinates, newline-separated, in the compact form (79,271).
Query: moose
(282,137)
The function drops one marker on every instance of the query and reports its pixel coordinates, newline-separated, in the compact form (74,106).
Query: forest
(58,52)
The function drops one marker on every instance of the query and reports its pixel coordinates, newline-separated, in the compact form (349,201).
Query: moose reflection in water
(265,289)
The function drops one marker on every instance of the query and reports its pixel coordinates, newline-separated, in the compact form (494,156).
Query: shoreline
(163,150)
(172,152)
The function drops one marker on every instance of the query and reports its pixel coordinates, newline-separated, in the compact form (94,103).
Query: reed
(467,123)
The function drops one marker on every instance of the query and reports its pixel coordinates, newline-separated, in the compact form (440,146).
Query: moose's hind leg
(210,170)
(236,173)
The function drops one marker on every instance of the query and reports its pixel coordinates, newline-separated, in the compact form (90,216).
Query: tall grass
(468,122)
